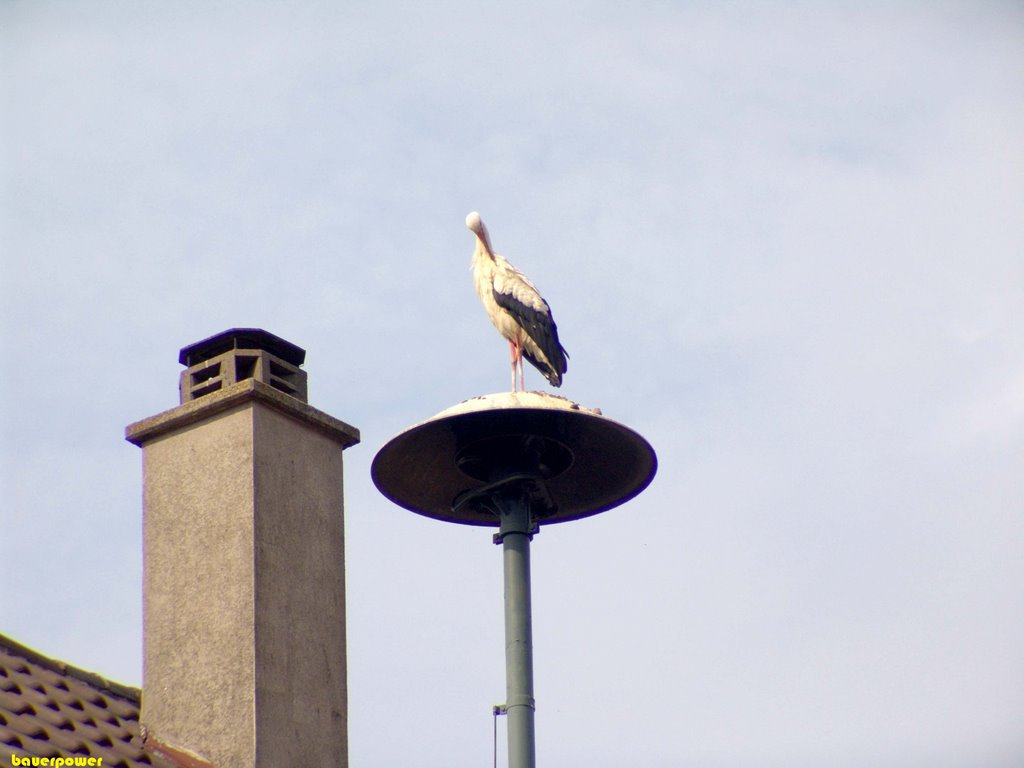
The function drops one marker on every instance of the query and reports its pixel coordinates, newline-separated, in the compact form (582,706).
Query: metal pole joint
(521,701)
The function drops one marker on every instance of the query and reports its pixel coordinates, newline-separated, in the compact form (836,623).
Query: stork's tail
(553,371)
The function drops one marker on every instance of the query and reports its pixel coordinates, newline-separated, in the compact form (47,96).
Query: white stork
(517,310)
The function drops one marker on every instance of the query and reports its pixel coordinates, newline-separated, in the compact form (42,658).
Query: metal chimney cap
(588,463)
(241,338)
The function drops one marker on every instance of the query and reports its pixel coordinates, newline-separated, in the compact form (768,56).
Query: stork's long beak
(476,225)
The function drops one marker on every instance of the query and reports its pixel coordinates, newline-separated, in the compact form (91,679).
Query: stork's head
(475,223)
(476,226)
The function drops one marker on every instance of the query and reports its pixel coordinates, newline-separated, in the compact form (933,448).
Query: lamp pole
(517,460)
(514,535)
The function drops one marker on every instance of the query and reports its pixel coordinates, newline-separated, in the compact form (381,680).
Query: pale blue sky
(783,241)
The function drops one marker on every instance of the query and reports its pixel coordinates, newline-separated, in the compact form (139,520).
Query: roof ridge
(56,665)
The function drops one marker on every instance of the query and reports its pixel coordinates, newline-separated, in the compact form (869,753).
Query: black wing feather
(539,326)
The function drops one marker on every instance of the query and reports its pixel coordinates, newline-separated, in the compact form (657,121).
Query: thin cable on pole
(498,709)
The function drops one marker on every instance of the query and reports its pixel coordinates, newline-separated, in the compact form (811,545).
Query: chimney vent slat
(239,354)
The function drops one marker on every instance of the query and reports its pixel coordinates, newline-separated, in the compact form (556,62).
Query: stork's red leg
(512,354)
(519,362)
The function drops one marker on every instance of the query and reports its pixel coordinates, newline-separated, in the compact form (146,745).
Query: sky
(782,241)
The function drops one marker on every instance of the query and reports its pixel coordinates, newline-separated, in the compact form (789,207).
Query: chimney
(244,562)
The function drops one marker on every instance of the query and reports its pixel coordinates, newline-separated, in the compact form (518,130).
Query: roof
(51,709)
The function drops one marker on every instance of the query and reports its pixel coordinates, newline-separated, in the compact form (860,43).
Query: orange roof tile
(51,709)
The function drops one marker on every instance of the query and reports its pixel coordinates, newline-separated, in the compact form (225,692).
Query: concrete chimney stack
(244,563)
